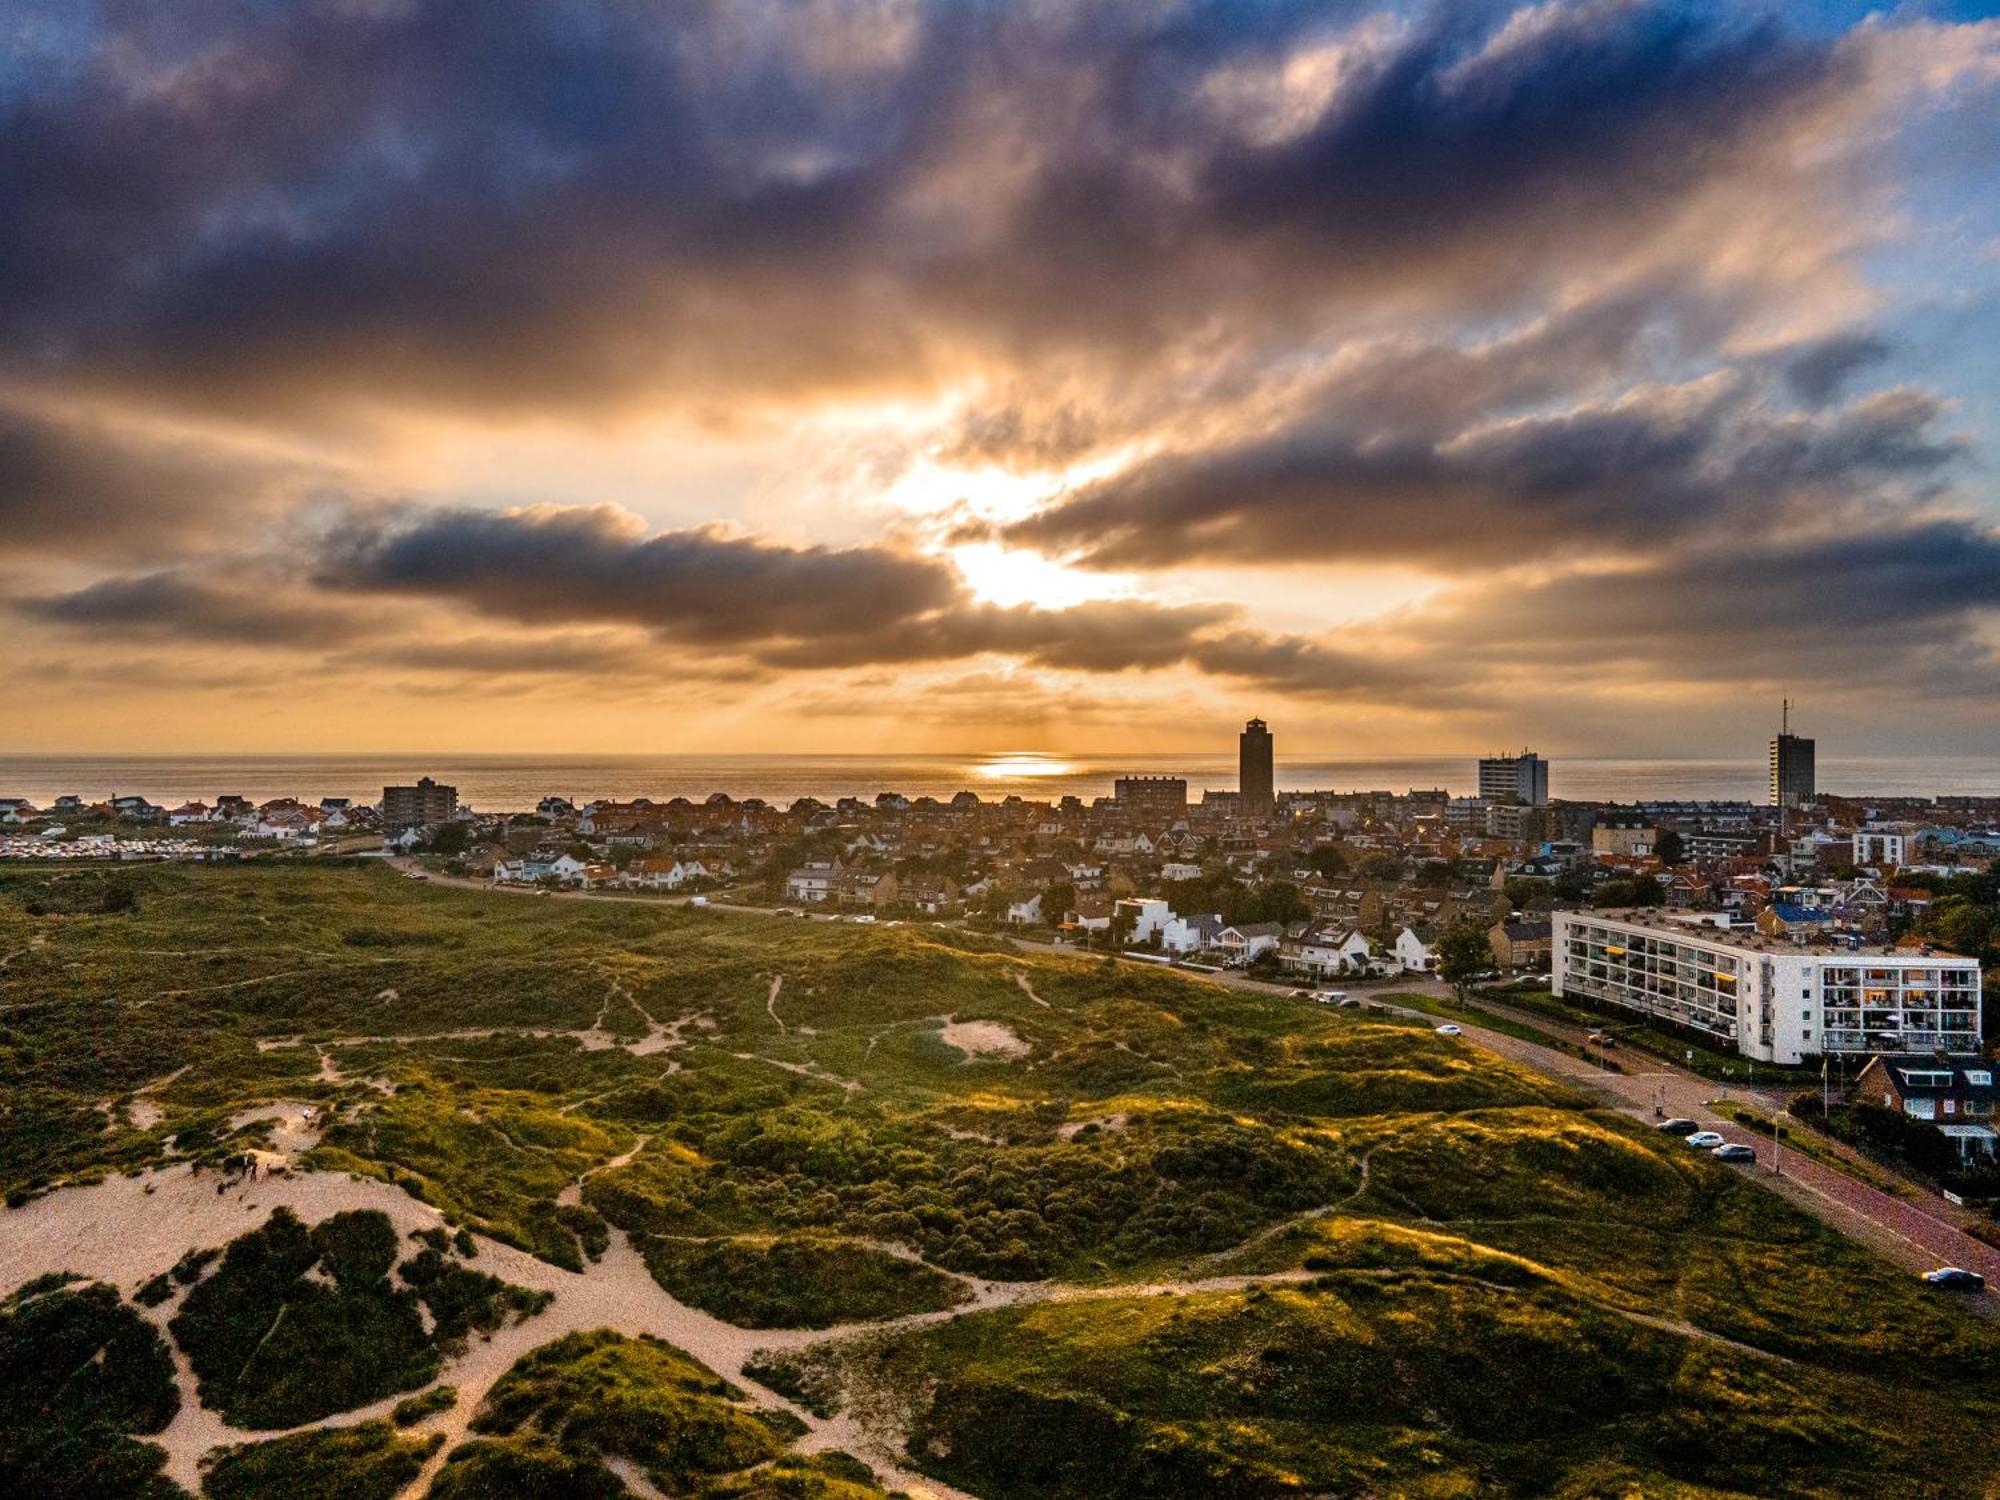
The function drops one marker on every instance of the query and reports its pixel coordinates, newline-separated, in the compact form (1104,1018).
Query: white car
(1704,1140)
(1450,1030)
(1329,997)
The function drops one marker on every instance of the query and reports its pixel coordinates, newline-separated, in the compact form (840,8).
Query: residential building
(1191,934)
(812,883)
(1416,949)
(1255,783)
(1153,798)
(1522,779)
(1147,915)
(1881,846)
(1247,941)
(1792,781)
(425,805)
(1623,838)
(1769,997)
(1520,945)
(1954,1095)
(1323,949)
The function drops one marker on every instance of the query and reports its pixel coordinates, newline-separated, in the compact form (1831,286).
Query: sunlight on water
(1018,767)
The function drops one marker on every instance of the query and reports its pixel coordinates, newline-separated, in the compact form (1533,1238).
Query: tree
(1462,954)
(1329,862)
(450,838)
(1058,900)
(1524,891)
(1670,847)
(1382,865)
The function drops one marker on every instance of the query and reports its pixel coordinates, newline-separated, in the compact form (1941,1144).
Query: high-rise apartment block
(1255,786)
(1792,783)
(1522,779)
(1769,998)
(1151,796)
(425,805)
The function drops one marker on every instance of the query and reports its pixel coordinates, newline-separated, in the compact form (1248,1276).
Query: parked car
(697,901)
(1733,1152)
(1449,1030)
(1704,1140)
(1956,1279)
(1678,1127)
(1329,997)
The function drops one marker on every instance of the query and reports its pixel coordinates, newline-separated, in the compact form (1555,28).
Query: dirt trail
(771,1003)
(1029,990)
(573,1194)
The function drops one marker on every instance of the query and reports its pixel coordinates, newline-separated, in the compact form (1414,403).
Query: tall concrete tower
(1255,790)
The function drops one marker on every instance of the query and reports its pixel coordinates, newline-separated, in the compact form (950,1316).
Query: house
(1178,870)
(1191,934)
(1147,915)
(1956,1095)
(812,883)
(661,874)
(1416,949)
(1323,949)
(1091,913)
(1521,945)
(1245,942)
(871,888)
(16,809)
(1025,913)
(932,895)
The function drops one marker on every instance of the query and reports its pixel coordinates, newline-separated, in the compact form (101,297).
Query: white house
(1324,949)
(1177,870)
(1190,934)
(1246,941)
(1026,913)
(1148,915)
(812,884)
(1416,949)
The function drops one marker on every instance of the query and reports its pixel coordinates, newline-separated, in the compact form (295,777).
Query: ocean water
(506,782)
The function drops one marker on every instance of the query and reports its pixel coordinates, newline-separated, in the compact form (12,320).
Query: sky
(955,375)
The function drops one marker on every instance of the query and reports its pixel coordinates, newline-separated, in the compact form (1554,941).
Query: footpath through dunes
(998,1223)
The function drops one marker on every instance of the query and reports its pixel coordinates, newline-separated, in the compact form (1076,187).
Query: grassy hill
(1398,1265)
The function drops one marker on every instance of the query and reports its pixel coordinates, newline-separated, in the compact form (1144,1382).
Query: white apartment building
(1881,846)
(1769,998)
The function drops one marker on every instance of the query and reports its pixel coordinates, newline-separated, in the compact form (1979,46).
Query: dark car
(1956,1278)
(1679,1127)
(1731,1151)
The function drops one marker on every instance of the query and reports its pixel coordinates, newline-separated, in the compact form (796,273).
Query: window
(1951,1106)
(1980,1079)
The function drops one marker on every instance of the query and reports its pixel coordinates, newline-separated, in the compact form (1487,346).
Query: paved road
(1917,1233)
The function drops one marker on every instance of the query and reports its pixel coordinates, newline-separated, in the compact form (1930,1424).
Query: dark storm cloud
(534,204)
(176,605)
(1653,466)
(1903,610)
(90,487)
(565,564)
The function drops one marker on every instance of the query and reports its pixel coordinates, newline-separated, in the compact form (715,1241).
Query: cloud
(83,485)
(561,564)
(522,207)
(177,605)
(1654,464)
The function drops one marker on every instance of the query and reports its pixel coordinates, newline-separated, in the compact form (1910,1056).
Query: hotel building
(1768,998)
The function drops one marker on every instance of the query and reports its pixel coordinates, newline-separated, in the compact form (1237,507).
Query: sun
(1006,576)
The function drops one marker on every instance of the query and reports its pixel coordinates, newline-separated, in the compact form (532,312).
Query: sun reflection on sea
(1018,766)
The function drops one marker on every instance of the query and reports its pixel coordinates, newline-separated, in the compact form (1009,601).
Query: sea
(512,782)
